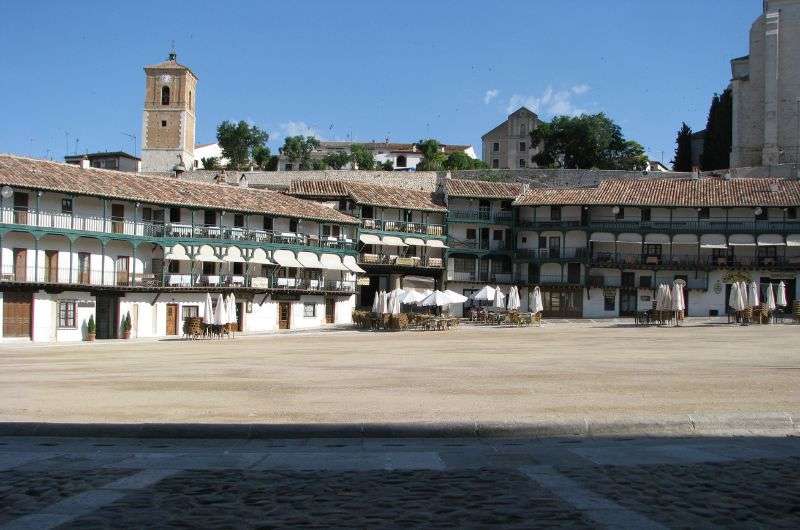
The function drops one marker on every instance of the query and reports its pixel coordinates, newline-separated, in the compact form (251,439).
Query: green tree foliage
(460,160)
(433,157)
(238,140)
(719,133)
(683,150)
(298,150)
(211,162)
(589,141)
(362,157)
(262,157)
(387,166)
(336,160)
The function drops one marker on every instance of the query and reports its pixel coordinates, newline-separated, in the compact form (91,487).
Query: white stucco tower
(168,121)
(766,90)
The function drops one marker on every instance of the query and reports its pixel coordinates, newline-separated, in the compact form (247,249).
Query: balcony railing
(486,215)
(366,258)
(109,225)
(484,245)
(733,225)
(550,254)
(530,224)
(123,278)
(403,227)
(681,261)
(480,277)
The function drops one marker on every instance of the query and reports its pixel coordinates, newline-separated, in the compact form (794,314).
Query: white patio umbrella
(780,298)
(454,297)
(395,300)
(208,311)
(733,297)
(740,301)
(376,303)
(413,296)
(752,295)
(231,307)
(664,298)
(486,294)
(499,297)
(770,298)
(743,294)
(678,303)
(436,299)
(536,305)
(220,312)
(513,302)
(384,303)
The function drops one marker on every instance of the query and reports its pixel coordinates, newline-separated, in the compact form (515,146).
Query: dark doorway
(284,315)
(117,218)
(20,256)
(106,318)
(20,208)
(172,319)
(574,273)
(627,302)
(239,314)
(17,314)
(330,310)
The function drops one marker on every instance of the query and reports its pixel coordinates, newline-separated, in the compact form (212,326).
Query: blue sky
(365,69)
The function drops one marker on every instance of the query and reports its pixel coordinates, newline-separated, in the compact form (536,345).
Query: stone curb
(769,424)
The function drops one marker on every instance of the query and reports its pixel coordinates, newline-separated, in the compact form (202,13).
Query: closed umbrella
(499,297)
(536,301)
(454,297)
(231,306)
(780,298)
(384,303)
(752,295)
(663,298)
(770,298)
(733,297)
(208,311)
(220,312)
(678,303)
(376,303)
(513,299)
(486,294)
(395,300)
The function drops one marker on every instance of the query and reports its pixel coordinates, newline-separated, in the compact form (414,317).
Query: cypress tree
(683,151)
(719,133)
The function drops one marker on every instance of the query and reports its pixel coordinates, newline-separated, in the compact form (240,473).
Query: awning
(793,240)
(260,256)
(602,237)
(436,243)
(370,239)
(206,253)
(285,258)
(657,239)
(713,241)
(234,255)
(332,262)
(742,240)
(771,240)
(414,242)
(309,260)
(634,239)
(392,241)
(177,253)
(685,239)
(350,263)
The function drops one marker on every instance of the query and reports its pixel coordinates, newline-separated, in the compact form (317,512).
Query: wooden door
(117,218)
(106,318)
(17,314)
(172,319)
(20,207)
(20,264)
(84,272)
(122,269)
(284,315)
(239,314)
(51,266)
(330,310)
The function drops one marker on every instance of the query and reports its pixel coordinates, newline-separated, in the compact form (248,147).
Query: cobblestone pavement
(400,482)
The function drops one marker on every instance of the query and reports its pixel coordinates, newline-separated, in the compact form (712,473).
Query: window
(165,95)
(331,231)
(84,274)
(523,147)
(174,267)
(609,300)
(523,129)
(762,216)
(238,268)
(791,212)
(408,216)
(496,147)
(238,220)
(309,310)
(497,235)
(343,205)
(293,225)
(506,205)
(209,217)
(555,213)
(521,162)
(267,223)
(163,123)
(191,311)
(652,250)
(463,265)
(174,215)
(209,268)
(66,205)
(620,213)
(472,233)
(703,213)
(401,161)
(153,216)
(190,99)
(66,314)
(287,167)
(646,215)
(495,163)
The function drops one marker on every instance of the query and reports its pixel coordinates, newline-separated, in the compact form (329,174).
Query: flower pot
(90,337)
(126,334)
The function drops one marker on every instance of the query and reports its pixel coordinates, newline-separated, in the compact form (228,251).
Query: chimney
(85,164)
(695,173)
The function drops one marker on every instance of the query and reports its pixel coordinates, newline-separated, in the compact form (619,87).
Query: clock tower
(168,121)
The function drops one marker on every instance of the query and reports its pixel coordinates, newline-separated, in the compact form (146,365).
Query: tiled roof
(391,146)
(482,189)
(704,192)
(318,188)
(66,178)
(389,197)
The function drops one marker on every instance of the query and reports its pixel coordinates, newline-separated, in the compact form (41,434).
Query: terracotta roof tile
(389,197)
(704,192)
(318,188)
(483,189)
(66,178)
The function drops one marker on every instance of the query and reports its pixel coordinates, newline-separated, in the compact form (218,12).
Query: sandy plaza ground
(564,371)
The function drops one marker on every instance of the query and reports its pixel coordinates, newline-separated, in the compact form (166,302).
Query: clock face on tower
(166,78)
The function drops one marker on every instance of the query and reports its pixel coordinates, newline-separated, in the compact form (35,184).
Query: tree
(362,157)
(262,157)
(238,140)
(433,158)
(461,160)
(387,166)
(336,160)
(683,151)
(211,162)
(589,141)
(719,133)
(298,150)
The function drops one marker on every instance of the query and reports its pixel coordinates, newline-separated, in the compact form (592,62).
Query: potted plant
(126,326)
(91,329)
